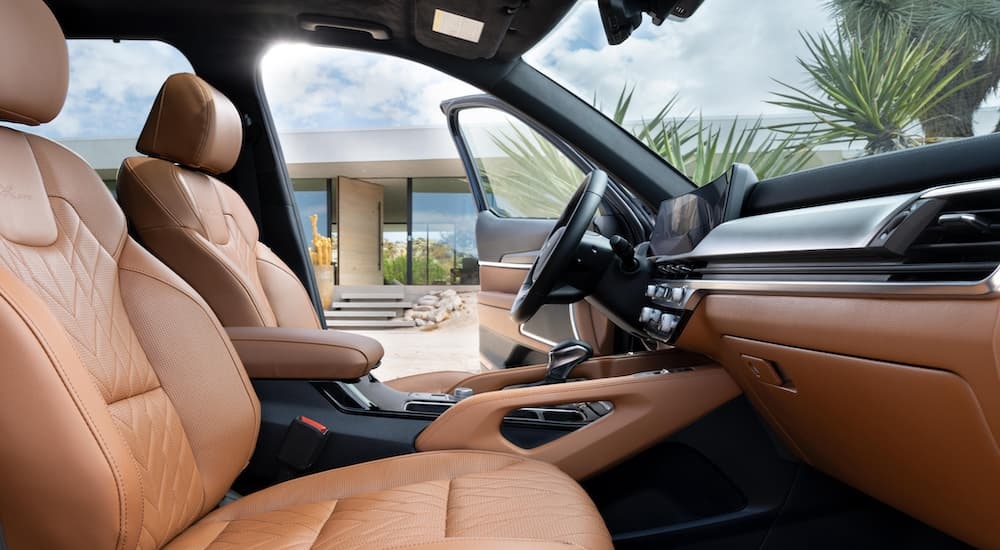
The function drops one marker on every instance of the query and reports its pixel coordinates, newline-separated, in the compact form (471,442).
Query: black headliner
(180,21)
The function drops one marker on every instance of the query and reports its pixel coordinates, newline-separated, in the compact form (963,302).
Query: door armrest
(303,353)
(647,407)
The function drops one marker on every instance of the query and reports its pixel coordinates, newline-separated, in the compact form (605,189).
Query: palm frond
(874,90)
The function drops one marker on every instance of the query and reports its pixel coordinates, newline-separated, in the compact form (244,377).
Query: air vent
(961,243)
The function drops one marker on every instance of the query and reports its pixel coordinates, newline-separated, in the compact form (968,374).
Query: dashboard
(864,332)
(941,242)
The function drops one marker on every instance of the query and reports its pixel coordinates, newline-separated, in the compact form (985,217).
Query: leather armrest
(304,353)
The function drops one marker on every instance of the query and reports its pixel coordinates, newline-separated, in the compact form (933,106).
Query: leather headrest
(194,125)
(34,63)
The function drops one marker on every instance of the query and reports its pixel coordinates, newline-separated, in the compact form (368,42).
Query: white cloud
(721,61)
(112,87)
(310,87)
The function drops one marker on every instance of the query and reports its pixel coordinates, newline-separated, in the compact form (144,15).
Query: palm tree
(540,179)
(875,89)
(971,28)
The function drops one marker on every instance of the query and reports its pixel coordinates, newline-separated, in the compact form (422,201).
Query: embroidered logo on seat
(8,192)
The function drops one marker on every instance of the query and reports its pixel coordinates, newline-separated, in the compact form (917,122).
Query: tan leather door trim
(598,367)
(647,409)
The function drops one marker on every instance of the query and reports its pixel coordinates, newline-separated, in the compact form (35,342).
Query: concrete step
(362,323)
(371,305)
(383,293)
(351,314)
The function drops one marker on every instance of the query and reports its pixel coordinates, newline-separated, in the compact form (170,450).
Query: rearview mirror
(621,17)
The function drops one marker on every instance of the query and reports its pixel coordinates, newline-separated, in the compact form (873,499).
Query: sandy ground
(452,345)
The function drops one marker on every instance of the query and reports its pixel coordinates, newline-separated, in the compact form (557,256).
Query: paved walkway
(453,345)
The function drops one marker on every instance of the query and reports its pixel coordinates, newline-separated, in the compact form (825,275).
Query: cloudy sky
(722,61)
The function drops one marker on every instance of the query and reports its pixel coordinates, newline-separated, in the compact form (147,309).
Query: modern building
(402,218)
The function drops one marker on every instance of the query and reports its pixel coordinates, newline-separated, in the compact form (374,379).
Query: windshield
(788,84)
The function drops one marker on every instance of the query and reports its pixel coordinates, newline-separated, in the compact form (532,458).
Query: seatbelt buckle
(303,443)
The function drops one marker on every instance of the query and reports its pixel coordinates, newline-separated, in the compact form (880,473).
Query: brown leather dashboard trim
(599,367)
(915,438)
(302,353)
(500,300)
(502,280)
(899,397)
(647,409)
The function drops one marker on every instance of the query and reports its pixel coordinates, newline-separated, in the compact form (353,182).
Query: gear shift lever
(564,357)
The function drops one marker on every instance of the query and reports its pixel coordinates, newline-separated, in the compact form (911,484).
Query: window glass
(112,86)
(444,228)
(313,197)
(522,174)
(788,84)
(377,119)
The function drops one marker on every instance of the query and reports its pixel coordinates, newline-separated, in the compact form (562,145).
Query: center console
(580,413)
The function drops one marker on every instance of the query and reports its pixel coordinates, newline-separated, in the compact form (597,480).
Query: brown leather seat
(126,414)
(203,230)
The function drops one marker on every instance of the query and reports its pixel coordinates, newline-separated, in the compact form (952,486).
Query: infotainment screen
(682,222)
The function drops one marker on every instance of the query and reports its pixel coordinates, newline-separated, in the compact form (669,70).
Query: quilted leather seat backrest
(124,410)
(196,224)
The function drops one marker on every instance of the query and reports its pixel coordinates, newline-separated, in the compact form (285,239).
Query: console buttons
(651,291)
(649,315)
(677,295)
(668,323)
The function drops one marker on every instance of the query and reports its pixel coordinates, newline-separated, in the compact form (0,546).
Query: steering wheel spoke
(544,282)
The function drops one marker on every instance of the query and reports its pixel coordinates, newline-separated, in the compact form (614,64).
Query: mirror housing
(621,17)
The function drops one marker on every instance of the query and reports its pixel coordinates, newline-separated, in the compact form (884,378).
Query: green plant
(971,28)
(875,90)
(539,178)
(703,151)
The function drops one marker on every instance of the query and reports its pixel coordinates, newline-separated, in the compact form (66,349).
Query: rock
(448,293)
(424,308)
(420,322)
(428,300)
(440,315)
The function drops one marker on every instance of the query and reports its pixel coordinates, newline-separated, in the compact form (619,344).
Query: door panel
(359,243)
(521,178)
(506,248)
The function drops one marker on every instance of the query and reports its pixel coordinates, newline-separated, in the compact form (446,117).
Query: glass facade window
(444,232)
(313,196)
(395,255)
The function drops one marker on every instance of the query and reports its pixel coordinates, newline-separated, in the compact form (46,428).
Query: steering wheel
(560,247)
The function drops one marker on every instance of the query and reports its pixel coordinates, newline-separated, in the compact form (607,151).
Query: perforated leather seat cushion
(455,499)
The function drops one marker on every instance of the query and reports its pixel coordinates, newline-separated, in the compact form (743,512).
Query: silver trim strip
(572,322)
(959,188)
(505,265)
(985,288)
(535,337)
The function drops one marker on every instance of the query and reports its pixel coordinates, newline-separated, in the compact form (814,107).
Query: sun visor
(462,28)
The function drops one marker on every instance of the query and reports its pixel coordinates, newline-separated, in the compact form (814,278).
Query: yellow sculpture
(321,252)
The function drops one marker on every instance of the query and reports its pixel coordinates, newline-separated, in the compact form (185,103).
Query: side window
(521,173)
(112,86)
(376,175)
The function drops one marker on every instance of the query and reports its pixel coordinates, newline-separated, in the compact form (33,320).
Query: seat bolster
(197,366)
(68,479)
(291,304)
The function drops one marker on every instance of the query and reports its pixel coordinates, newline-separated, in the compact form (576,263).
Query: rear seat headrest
(194,125)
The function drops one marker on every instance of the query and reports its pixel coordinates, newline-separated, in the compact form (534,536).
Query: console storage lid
(302,353)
